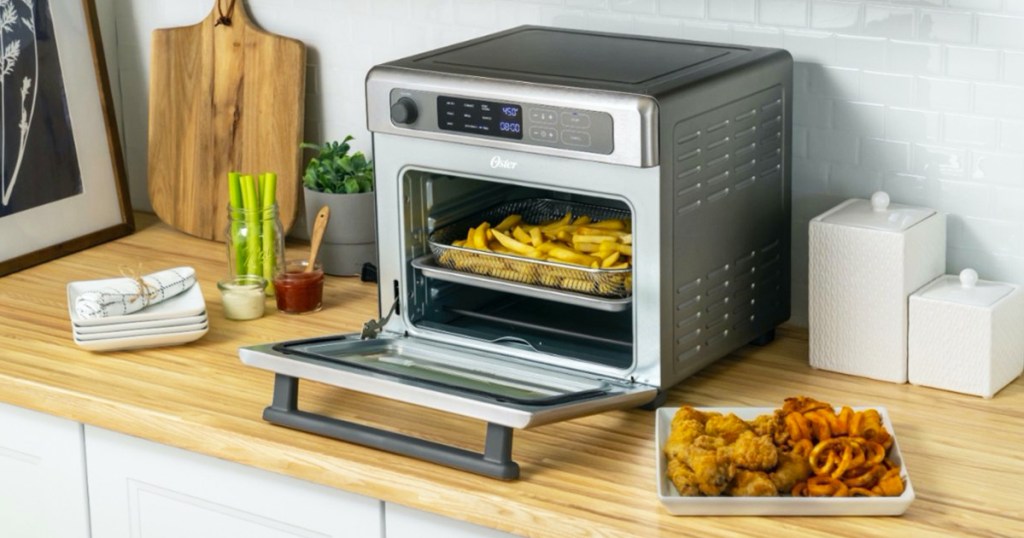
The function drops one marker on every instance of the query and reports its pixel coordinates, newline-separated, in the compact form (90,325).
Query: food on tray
(575,240)
(604,244)
(805,449)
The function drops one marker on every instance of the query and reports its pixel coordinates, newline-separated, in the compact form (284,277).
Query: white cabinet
(42,476)
(404,522)
(56,474)
(141,489)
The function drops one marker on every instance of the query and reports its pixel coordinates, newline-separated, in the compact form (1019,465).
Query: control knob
(404,111)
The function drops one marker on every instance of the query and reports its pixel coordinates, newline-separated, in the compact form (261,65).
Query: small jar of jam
(299,291)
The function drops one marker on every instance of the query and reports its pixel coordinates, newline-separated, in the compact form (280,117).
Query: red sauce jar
(298,291)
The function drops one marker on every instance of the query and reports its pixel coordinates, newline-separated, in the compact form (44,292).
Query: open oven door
(504,391)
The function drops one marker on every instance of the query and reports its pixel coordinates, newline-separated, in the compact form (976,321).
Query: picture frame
(63,186)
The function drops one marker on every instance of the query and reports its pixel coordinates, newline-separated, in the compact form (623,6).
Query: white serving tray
(153,331)
(679,505)
(189,303)
(138,342)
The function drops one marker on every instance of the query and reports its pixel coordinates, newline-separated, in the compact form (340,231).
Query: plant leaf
(334,170)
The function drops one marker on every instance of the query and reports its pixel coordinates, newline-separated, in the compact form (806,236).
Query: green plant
(335,170)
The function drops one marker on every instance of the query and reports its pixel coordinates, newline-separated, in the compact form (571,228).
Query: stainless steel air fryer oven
(687,142)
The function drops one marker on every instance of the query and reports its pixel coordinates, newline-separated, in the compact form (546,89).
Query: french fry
(576,239)
(571,256)
(521,235)
(610,260)
(480,237)
(508,222)
(536,237)
(610,224)
(513,245)
(555,226)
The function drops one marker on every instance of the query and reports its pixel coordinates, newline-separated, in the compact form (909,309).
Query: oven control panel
(505,119)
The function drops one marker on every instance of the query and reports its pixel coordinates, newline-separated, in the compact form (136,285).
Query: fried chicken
(793,467)
(682,435)
(688,413)
(751,484)
(712,470)
(753,452)
(772,425)
(728,427)
(683,478)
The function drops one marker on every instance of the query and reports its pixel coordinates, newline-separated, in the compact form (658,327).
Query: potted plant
(343,181)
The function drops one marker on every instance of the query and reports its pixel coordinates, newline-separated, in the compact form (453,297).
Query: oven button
(404,111)
(544,134)
(576,138)
(541,115)
(576,120)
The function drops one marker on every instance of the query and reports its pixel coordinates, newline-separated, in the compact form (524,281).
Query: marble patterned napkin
(126,295)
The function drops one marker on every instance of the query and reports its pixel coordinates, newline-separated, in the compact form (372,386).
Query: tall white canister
(865,259)
(966,335)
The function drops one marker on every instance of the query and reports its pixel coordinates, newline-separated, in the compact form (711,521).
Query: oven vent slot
(739,291)
(710,144)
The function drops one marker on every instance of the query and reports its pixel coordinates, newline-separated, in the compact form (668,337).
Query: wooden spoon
(319,225)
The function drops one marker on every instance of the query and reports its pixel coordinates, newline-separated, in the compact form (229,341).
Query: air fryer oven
(686,142)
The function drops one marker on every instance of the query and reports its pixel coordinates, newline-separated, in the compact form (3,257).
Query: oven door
(489,386)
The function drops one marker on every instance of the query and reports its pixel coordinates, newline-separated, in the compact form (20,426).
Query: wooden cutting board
(222,97)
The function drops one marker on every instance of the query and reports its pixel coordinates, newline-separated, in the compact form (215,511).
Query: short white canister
(966,335)
(865,259)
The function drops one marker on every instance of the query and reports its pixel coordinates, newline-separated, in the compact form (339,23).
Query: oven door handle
(495,461)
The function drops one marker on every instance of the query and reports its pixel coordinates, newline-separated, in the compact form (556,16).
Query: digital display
(504,120)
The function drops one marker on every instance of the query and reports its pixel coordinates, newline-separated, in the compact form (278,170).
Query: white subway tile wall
(924,98)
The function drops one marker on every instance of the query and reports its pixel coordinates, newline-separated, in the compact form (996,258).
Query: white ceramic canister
(865,259)
(966,335)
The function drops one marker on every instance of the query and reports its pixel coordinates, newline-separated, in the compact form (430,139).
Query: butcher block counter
(591,476)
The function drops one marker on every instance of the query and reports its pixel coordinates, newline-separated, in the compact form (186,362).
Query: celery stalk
(269,199)
(250,200)
(235,198)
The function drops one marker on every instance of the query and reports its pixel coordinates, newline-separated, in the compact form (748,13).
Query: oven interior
(594,332)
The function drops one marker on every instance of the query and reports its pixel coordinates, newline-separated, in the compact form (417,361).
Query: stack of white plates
(177,320)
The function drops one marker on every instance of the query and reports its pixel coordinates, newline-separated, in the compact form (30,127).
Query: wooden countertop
(590,476)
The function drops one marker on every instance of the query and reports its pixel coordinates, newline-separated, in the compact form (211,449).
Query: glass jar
(255,242)
(242,297)
(300,290)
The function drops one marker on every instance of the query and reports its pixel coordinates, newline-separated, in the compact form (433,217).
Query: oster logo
(498,162)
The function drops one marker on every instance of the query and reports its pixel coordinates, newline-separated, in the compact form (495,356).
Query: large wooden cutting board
(222,98)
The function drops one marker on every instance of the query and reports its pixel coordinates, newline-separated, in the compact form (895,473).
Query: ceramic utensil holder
(866,258)
(966,335)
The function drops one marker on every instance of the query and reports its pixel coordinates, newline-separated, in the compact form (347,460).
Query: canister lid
(965,288)
(877,214)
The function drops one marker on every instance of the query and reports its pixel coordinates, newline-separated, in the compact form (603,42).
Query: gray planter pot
(351,236)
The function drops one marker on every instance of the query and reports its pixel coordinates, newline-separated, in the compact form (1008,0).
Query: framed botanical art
(62,186)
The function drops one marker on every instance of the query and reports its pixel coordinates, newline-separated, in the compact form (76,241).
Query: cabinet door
(141,489)
(404,522)
(42,476)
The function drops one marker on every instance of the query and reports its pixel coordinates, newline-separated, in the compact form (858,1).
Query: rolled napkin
(127,295)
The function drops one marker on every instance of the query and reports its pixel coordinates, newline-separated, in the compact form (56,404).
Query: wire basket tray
(591,281)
